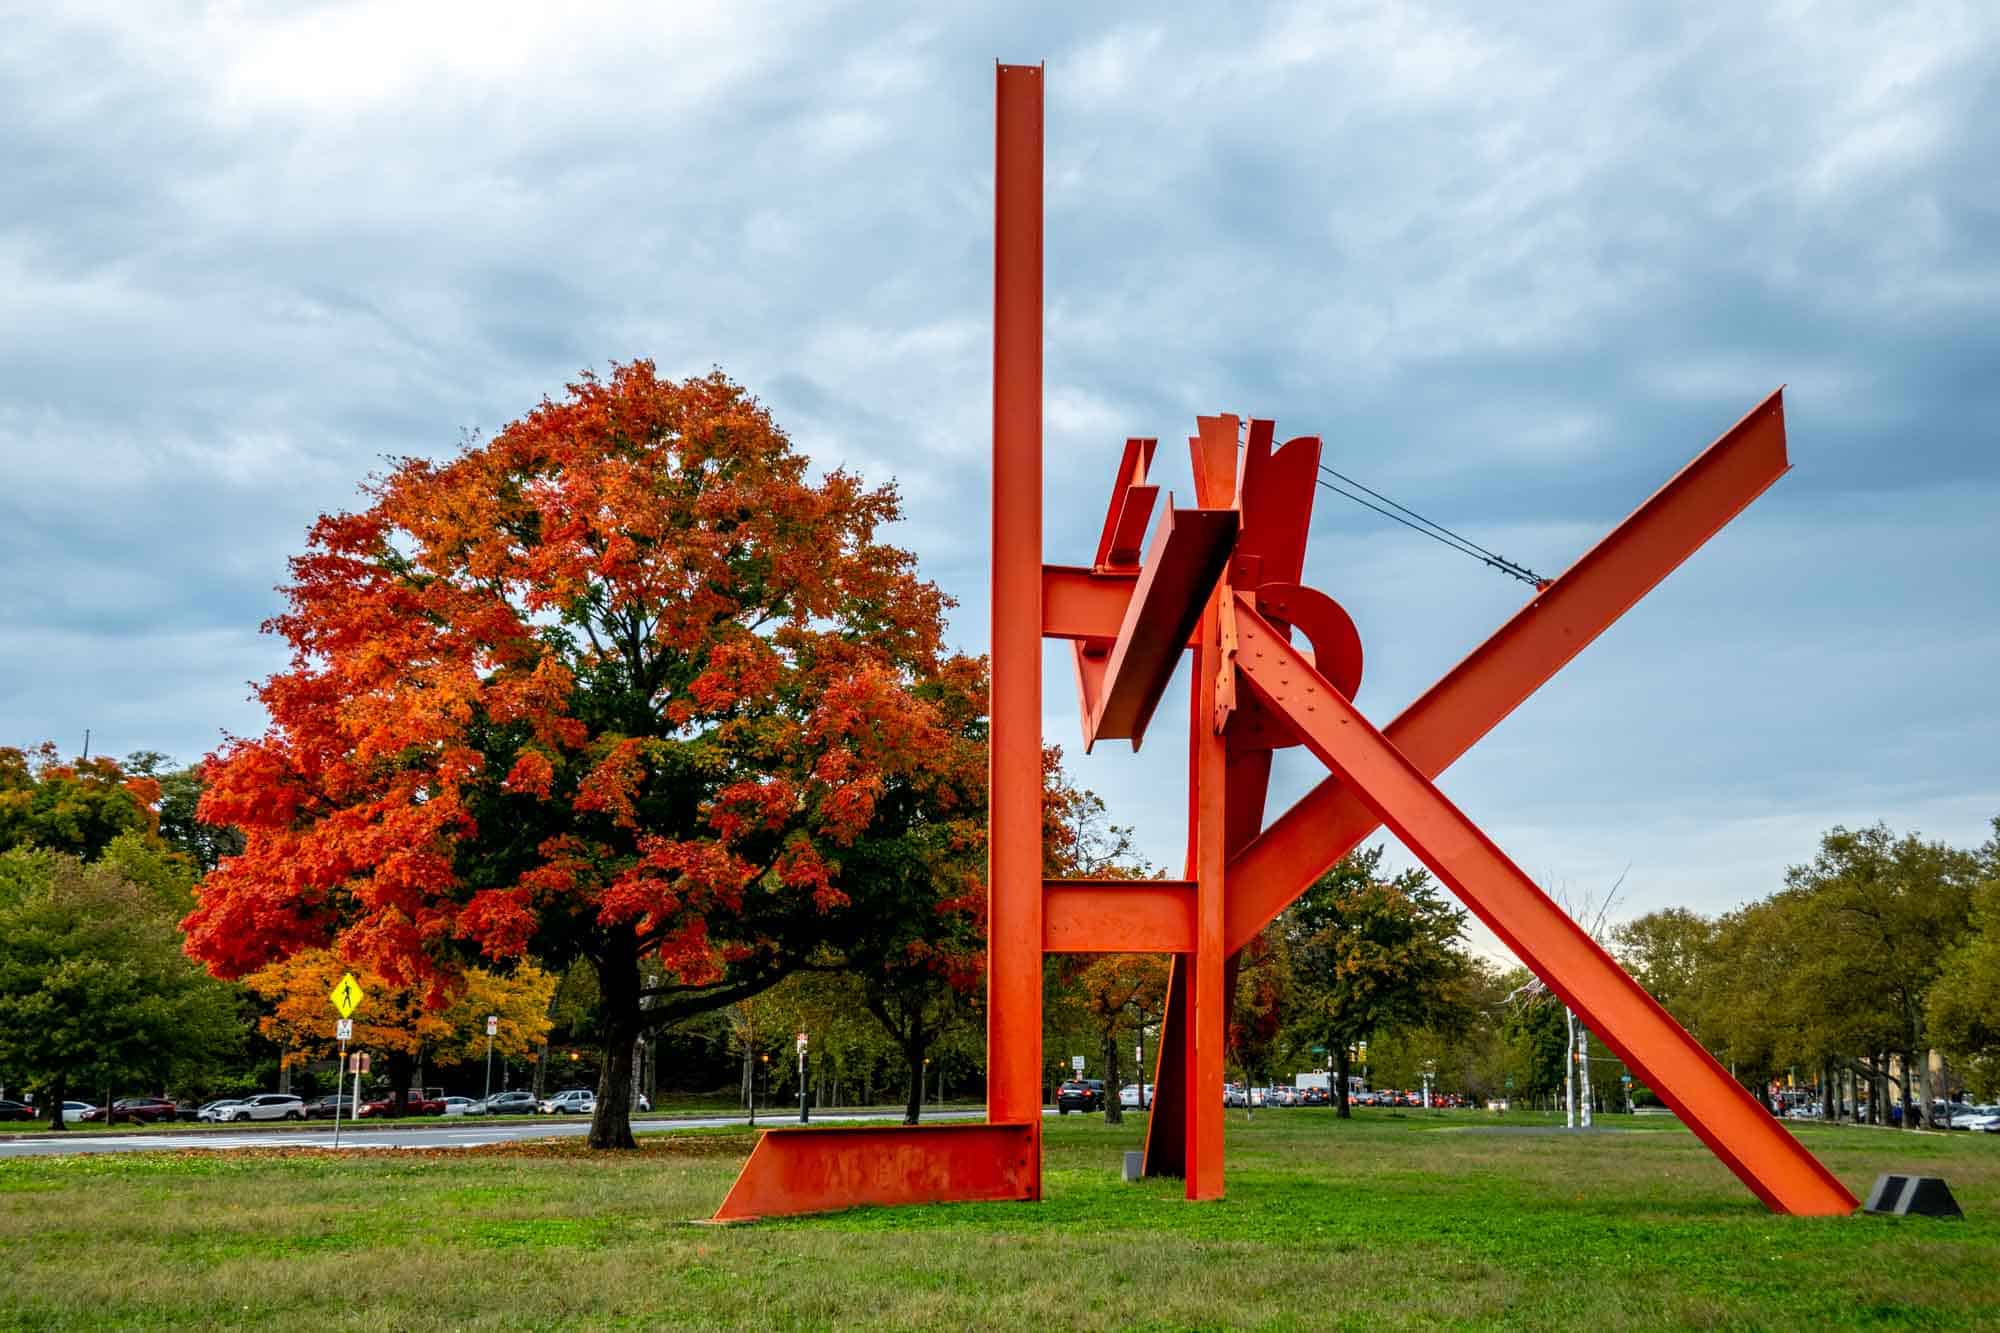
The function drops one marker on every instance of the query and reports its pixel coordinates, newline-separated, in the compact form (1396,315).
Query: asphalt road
(456,1132)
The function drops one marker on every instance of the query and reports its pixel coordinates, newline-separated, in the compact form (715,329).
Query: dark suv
(1080,1094)
(139,1110)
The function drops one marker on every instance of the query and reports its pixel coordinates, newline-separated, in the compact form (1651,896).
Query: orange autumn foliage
(623,683)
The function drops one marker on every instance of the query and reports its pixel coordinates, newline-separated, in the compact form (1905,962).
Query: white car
(464,1106)
(1976,1117)
(73,1111)
(1129,1095)
(212,1111)
(570,1101)
(264,1106)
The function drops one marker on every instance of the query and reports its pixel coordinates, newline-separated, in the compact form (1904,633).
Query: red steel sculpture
(1220,581)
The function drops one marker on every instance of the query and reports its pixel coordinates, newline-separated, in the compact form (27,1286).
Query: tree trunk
(401,1069)
(1903,1090)
(1340,1068)
(1925,1095)
(611,1122)
(58,1094)
(1114,1109)
(913,1053)
(618,989)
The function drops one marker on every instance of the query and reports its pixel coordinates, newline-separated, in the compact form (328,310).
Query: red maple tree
(622,684)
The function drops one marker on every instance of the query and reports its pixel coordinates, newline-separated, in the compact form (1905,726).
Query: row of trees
(1876,952)
(627,696)
(98,863)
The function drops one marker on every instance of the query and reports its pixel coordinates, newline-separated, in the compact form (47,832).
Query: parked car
(1974,1117)
(322,1108)
(517,1102)
(265,1106)
(12,1110)
(463,1106)
(419,1101)
(77,1110)
(1316,1097)
(1080,1094)
(1129,1095)
(1284,1096)
(135,1110)
(212,1111)
(570,1101)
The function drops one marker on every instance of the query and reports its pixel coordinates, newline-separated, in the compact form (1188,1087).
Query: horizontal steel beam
(822,1170)
(1118,916)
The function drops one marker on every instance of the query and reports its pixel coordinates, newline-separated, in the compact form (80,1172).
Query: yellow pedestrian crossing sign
(347,995)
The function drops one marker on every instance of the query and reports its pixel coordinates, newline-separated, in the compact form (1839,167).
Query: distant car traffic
(212,1111)
(322,1108)
(77,1110)
(1129,1095)
(419,1101)
(12,1110)
(265,1106)
(134,1110)
(517,1102)
(570,1101)
(463,1106)
(1975,1117)
(1080,1094)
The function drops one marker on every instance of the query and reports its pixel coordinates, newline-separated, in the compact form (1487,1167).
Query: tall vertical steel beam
(1014,857)
(1207,813)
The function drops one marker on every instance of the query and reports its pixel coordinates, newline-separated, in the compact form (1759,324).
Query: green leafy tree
(1372,953)
(1537,1037)
(1671,953)
(1962,1008)
(180,826)
(95,992)
(78,806)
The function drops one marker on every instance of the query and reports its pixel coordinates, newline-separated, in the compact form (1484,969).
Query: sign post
(346,997)
(804,1115)
(492,1027)
(360,1065)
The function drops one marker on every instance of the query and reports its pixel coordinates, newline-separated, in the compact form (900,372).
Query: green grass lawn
(1388,1220)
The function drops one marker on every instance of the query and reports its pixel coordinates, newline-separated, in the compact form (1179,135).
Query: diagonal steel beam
(1329,821)
(1711,1103)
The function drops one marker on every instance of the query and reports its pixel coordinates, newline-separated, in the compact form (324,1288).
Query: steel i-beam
(1616,1008)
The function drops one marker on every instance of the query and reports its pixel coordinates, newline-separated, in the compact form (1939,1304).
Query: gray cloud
(1515,268)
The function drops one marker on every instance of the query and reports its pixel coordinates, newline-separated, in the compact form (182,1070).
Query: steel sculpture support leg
(1711,1103)
(803,1171)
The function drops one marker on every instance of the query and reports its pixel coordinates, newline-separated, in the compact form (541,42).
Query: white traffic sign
(343,1029)
(802,1043)
(492,1025)
(1076,1063)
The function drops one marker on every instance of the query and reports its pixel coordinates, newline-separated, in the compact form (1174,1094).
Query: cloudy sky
(1514,270)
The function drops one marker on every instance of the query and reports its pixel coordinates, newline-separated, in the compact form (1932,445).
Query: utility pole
(1583,1071)
(805,1115)
(1569,1072)
(492,1026)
